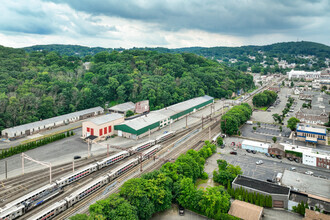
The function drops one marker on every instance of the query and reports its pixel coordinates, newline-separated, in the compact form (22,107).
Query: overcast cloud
(165,23)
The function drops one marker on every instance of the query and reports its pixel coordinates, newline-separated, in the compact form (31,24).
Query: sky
(163,23)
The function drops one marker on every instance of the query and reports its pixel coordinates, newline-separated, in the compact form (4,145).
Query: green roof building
(155,120)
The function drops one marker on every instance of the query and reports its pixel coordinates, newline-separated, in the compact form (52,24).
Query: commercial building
(280,194)
(312,186)
(246,211)
(35,127)
(101,127)
(255,145)
(277,149)
(276,89)
(155,120)
(123,108)
(312,134)
(308,156)
(297,74)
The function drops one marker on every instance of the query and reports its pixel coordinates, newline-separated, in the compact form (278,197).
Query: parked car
(279,156)
(76,157)
(248,150)
(296,160)
(259,162)
(254,151)
(222,146)
(270,180)
(233,152)
(273,155)
(181,210)
(309,172)
(267,154)
(290,158)
(293,169)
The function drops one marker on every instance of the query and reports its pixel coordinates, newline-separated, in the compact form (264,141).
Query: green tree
(292,123)
(274,139)
(220,141)
(129,113)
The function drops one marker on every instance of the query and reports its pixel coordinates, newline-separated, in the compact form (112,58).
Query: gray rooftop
(106,118)
(123,107)
(306,183)
(145,120)
(164,113)
(23,128)
(182,106)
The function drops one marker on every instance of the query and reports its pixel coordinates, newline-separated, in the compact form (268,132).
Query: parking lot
(265,129)
(247,161)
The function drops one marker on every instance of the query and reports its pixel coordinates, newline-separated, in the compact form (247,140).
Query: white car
(309,172)
(259,162)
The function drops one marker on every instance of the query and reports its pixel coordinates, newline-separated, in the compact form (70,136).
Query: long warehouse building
(35,127)
(155,120)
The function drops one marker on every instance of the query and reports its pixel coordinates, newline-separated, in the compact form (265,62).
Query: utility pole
(88,143)
(6,168)
(149,134)
(186,121)
(108,150)
(47,164)
(202,122)
(210,133)
(73,166)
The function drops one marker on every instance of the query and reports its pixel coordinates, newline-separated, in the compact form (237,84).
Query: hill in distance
(288,48)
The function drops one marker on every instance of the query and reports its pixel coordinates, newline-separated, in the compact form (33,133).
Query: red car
(233,152)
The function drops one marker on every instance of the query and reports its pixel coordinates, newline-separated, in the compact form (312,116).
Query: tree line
(140,198)
(234,118)
(40,84)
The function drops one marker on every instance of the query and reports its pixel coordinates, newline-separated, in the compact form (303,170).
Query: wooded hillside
(39,85)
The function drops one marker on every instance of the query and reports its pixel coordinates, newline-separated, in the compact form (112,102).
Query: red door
(92,131)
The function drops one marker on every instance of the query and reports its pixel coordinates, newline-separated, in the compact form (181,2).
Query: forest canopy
(40,84)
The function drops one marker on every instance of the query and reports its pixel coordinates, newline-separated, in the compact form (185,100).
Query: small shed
(244,210)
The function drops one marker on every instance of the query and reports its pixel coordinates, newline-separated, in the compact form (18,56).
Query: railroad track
(81,207)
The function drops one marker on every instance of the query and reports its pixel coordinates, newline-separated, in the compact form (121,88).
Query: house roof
(261,185)
(278,146)
(245,210)
(123,107)
(313,215)
(23,128)
(311,129)
(106,118)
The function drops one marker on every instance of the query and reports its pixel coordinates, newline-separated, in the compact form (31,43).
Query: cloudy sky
(164,23)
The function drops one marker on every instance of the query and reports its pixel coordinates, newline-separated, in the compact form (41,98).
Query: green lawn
(262,108)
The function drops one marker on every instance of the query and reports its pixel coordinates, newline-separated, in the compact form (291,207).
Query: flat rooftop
(255,144)
(106,118)
(261,185)
(307,183)
(311,129)
(123,107)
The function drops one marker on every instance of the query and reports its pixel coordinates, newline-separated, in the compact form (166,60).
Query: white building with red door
(101,127)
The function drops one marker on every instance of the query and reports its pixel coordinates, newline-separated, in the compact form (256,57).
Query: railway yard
(97,184)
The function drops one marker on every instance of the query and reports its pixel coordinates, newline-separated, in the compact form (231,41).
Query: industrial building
(101,127)
(35,127)
(280,194)
(123,108)
(155,120)
(255,145)
(312,134)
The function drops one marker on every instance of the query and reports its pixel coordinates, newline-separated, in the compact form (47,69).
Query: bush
(204,176)
(220,141)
